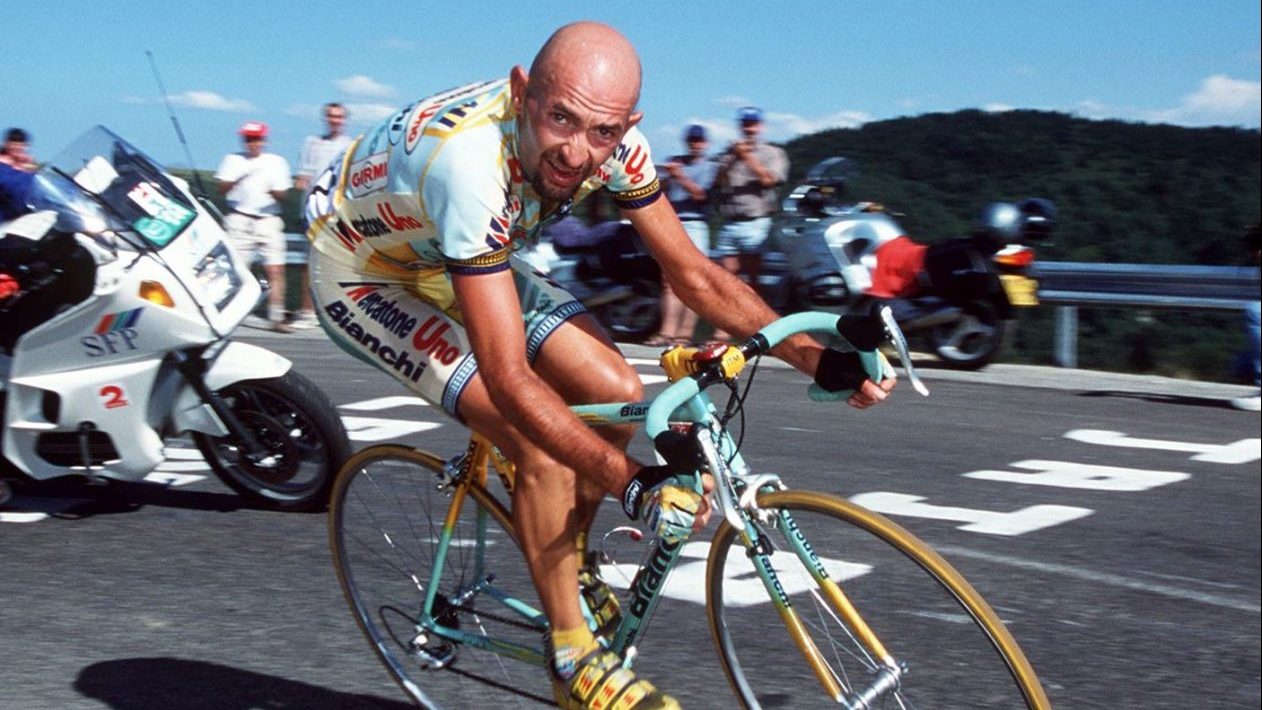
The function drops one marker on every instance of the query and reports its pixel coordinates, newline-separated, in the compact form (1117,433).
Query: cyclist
(412,232)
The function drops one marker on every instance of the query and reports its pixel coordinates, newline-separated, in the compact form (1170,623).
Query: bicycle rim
(385,522)
(954,650)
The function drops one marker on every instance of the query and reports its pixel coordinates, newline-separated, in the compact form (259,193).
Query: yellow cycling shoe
(601,683)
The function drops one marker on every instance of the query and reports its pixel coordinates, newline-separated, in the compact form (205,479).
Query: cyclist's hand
(839,370)
(672,510)
(870,393)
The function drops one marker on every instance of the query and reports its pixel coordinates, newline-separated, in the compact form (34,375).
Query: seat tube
(444,542)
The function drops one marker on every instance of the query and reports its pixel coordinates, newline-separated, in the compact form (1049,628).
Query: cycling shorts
(408,324)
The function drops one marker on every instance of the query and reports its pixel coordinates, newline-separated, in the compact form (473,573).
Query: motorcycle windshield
(101,183)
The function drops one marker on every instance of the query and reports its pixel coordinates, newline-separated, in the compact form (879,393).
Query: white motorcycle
(120,338)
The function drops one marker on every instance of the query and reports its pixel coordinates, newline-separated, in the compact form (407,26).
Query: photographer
(748,175)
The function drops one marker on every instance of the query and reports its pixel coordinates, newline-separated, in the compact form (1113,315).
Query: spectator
(254,183)
(689,179)
(1253,321)
(16,168)
(317,153)
(748,174)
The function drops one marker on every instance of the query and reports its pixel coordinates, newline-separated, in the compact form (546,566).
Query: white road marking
(1114,580)
(1237,452)
(374,405)
(1063,474)
(376,429)
(742,586)
(1017,522)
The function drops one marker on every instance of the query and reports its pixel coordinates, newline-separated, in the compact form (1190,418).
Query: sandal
(659,340)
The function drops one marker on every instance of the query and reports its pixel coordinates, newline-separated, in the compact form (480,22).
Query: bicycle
(426,556)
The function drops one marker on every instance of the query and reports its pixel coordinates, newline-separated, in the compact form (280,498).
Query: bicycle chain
(494,617)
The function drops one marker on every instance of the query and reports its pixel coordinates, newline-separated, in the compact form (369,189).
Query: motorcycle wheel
(972,342)
(632,319)
(300,430)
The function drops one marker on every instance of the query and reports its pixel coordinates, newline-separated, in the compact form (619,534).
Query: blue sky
(810,65)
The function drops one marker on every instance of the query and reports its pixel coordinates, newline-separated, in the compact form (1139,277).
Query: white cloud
(1220,100)
(783,126)
(996,107)
(369,112)
(211,101)
(364,87)
(778,127)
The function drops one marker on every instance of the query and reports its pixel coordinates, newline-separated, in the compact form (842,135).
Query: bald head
(588,54)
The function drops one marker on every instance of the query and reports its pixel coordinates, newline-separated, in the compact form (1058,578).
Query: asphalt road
(1113,521)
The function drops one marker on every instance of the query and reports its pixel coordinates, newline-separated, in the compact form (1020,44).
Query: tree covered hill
(1125,192)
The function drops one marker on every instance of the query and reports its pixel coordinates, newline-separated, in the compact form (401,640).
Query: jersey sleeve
(632,176)
(472,212)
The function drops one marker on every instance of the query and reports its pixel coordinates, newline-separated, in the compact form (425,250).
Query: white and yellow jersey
(438,186)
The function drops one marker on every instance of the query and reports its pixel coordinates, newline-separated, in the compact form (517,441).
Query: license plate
(1021,290)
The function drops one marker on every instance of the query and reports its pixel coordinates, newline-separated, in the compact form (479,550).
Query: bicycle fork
(889,672)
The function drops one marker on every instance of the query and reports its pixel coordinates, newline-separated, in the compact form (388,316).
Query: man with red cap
(254,182)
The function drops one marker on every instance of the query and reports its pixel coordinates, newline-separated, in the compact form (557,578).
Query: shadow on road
(75,498)
(162,683)
(1177,399)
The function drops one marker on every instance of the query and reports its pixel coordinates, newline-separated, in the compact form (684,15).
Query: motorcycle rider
(412,270)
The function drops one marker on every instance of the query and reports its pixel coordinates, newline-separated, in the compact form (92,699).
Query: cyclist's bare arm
(493,320)
(722,298)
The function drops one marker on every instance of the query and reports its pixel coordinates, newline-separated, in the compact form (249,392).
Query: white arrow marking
(1243,451)
(1017,522)
(741,587)
(1063,474)
(373,405)
(373,429)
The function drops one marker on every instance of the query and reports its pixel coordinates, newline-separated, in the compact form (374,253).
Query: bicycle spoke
(387,519)
(947,655)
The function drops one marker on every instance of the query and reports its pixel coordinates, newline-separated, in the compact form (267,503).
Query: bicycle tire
(914,601)
(386,513)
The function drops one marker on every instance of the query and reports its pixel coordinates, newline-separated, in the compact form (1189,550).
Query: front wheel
(945,647)
(973,341)
(302,440)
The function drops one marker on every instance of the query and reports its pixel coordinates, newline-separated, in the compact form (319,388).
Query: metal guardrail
(1069,285)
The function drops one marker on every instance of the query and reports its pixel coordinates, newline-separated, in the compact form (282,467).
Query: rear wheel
(303,443)
(972,342)
(953,650)
(386,518)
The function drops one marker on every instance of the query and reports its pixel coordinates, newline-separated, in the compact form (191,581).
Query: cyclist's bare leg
(549,506)
(606,377)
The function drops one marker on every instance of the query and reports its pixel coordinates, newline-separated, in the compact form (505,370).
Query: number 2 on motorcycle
(114,396)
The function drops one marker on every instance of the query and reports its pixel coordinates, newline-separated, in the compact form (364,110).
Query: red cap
(253,129)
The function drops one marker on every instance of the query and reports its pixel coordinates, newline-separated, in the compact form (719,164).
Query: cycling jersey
(433,190)
(438,184)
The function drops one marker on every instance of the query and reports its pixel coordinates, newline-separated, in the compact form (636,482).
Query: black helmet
(1038,217)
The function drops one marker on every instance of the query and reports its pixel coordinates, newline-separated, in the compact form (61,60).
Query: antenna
(197,177)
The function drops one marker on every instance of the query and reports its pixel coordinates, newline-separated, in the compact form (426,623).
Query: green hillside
(1134,193)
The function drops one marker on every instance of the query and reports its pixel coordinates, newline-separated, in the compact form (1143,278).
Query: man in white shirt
(317,153)
(254,182)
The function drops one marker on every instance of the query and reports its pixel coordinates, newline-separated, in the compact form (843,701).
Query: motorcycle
(608,269)
(121,338)
(959,294)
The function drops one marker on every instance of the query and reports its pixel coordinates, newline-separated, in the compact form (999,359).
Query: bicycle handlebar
(874,363)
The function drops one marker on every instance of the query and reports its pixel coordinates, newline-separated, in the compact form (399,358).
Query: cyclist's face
(566,129)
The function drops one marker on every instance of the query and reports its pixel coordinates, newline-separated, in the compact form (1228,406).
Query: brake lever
(895,335)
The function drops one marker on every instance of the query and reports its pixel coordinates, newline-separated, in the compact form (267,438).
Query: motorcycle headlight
(218,276)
